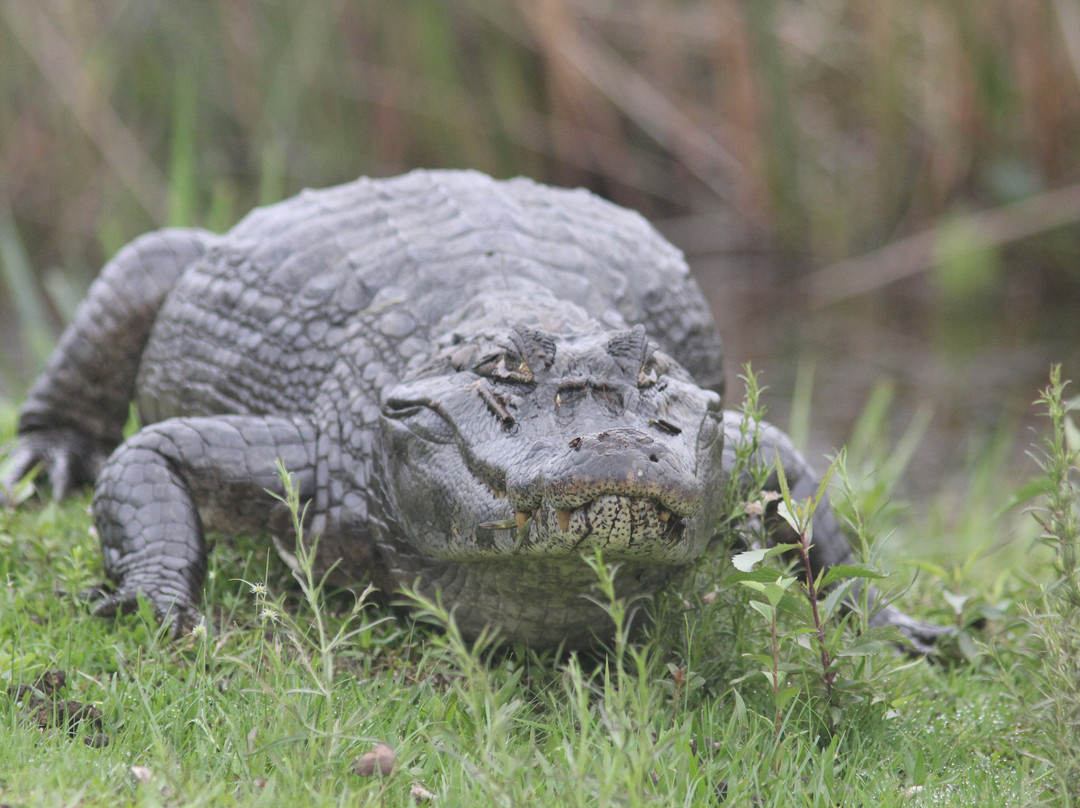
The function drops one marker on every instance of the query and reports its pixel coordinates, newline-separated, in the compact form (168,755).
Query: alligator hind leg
(830,547)
(161,486)
(75,412)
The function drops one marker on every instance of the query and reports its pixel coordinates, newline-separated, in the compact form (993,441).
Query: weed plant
(1054,615)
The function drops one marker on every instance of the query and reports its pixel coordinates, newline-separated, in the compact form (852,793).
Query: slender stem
(828,675)
(776,672)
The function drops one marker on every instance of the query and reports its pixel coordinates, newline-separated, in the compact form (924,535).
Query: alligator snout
(620,462)
(620,487)
(623,462)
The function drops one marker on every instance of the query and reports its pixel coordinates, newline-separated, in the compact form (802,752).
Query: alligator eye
(505,366)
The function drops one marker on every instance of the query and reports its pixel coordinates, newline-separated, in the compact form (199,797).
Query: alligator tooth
(563,518)
(664,514)
(522,518)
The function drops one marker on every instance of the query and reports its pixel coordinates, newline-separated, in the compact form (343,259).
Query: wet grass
(269,707)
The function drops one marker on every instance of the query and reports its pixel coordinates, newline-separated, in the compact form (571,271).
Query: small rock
(99,740)
(67,715)
(51,681)
(720,792)
(379,761)
(142,774)
(420,795)
(39,703)
(25,695)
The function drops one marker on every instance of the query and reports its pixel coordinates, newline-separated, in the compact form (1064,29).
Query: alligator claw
(179,616)
(68,458)
(921,637)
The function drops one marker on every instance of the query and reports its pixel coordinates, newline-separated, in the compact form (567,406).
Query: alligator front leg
(76,410)
(830,547)
(161,487)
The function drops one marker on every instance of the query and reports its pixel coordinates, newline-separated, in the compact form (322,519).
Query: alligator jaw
(624,490)
(562,516)
(637,527)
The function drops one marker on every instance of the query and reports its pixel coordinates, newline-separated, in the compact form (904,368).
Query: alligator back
(256,323)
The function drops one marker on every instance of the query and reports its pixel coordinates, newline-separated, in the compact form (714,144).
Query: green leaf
(740,708)
(792,518)
(764,575)
(787,694)
(764,659)
(781,478)
(823,486)
(995,611)
(763,609)
(862,647)
(967,646)
(775,591)
(874,641)
(956,602)
(930,568)
(843,571)
(1040,486)
(835,597)
(748,559)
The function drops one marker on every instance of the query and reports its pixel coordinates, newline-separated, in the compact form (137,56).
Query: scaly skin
(472,381)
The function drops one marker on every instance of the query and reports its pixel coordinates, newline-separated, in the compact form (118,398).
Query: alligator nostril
(620,462)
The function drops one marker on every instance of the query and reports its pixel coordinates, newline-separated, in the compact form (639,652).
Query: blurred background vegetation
(868,190)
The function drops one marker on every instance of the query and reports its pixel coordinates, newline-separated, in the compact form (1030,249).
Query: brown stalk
(630,91)
(76,88)
(915,253)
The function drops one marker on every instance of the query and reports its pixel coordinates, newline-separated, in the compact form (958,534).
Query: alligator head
(547,434)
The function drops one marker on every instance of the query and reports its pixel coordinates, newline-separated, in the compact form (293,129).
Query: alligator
(474,384)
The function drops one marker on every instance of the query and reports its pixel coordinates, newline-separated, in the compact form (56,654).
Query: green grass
(294,685)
